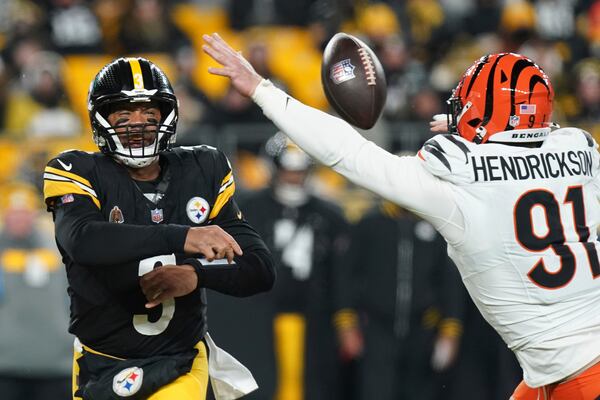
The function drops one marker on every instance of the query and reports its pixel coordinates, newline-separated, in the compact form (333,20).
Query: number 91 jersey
(529,255)
(91,190)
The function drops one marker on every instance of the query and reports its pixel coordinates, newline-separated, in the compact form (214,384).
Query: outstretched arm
(336,144)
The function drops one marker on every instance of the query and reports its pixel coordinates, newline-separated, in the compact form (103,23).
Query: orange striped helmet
(502,97)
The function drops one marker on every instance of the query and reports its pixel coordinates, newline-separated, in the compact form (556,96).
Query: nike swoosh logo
(67,167)
(239,215)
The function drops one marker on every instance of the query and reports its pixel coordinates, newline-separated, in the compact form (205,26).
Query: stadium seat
(78,72)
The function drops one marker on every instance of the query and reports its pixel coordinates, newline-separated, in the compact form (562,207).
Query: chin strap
(135,162)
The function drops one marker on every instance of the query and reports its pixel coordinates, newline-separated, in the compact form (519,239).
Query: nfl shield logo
(157,215)
(342,71)
(514,121)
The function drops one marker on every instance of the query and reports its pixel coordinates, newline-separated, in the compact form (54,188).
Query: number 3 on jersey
(555,236)
(141,322)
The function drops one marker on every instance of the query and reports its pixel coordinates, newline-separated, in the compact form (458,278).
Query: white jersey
(520,223)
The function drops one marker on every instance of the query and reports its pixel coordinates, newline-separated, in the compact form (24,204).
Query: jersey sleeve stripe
(227,178)
(222,199)
(438,154)
(225,185)
(458,144)
(435,144)
(57,188)
(69,175)
(52,177)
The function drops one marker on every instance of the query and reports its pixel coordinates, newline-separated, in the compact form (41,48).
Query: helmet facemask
(135,145)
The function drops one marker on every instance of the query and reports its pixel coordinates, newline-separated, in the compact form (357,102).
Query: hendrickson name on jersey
(534,166)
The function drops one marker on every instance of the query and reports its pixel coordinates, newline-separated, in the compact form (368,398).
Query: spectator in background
(234,108)
(110,15)
(35,346)
(19,52)
(72,26)
(289,338)
(555,19)
(20,18)
(582,107)
(248,13)
(410,298)
(587,90)
(405,77)
(517,24)
(426,102)
(194,106)
(456,11)
(20,26)
(32,162)
(4,83)
(148,28)
(38,108)
(593,29)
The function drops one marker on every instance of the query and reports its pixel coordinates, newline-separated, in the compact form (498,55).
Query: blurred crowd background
(51,49)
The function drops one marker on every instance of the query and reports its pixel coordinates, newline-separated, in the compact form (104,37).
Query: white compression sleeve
(336,144)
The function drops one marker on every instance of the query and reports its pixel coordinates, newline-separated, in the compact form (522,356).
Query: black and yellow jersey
(110,232)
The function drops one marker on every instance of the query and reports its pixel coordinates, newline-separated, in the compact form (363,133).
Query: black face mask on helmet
(132,80)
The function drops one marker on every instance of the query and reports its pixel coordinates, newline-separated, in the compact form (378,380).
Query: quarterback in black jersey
(143,229)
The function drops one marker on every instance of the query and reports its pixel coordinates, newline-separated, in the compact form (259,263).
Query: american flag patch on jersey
(67,198)
(342,71)
(527,108)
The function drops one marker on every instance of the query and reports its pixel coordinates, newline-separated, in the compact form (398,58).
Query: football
(353,80)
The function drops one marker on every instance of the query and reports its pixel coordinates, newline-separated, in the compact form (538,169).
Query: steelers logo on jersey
(197,210)
(128,382)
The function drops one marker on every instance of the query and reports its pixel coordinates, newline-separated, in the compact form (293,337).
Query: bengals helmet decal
(502,97)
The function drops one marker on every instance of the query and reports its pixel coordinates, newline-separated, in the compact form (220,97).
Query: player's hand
(439,123)
(445,351)
(212,242)
(167,282)
(243,77)
(351,343)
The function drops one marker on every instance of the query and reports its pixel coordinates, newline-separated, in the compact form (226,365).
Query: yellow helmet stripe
(136,72)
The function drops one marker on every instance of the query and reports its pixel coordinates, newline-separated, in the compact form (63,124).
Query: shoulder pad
(71,172)
(214,163)
(73,161)
(203,155)
(571,136)
(197,147)
(446,156)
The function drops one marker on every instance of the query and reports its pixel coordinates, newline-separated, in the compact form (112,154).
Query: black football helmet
(132,80)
